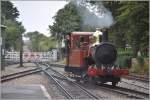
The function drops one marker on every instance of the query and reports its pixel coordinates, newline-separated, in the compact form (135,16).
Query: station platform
(24,92)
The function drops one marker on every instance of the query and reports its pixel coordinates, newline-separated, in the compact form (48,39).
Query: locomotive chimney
(105,35)
(99,33)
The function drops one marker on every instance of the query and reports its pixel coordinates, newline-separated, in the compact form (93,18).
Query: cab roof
(82,33)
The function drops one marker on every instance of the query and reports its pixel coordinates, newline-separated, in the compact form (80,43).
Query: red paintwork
(120,72)
(76,54)
(102,72)
(76,58)
(92,71)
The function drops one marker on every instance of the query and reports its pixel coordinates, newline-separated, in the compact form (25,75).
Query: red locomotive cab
(79,46)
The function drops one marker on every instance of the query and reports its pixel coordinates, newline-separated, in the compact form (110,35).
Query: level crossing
(32,56)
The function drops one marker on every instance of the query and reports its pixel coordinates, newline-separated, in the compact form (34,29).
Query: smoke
(94,15)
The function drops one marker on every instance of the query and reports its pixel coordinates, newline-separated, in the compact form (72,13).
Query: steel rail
(116,90)
(137,78)
(10,63)
(147,88)
(64,90)
(70,80)
(19,74)
(125,91)
(57,65)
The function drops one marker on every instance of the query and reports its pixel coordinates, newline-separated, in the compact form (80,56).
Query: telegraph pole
(21,51)
(2,44)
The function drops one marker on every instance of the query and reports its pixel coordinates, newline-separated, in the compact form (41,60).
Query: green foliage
(8,10)
(35,38)
(66,20)
(39,42)
(13,34)
(140,69)
(87,28)
(132,22)
(14,30)
(135,15)
(140,60)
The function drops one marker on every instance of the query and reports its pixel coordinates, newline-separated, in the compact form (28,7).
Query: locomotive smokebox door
(105,53)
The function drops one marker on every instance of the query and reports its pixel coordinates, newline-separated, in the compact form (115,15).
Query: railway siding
(14,68)
(71,89)
(134,85)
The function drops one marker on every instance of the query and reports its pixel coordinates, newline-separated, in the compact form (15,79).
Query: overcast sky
(37,15)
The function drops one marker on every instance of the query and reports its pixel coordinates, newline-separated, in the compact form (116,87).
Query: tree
(131,25)
(12,34)
(35,38)
(14,28)
(8,10)
(66,20)
(117,31)
(135,14)
(21,30)
(39,42)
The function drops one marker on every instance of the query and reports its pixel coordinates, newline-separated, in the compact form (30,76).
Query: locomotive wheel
(84,77)
(77,79)
(92,80)
(114,84)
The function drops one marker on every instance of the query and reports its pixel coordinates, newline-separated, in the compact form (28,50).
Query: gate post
(3,47)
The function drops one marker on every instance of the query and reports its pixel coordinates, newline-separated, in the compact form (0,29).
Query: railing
(32,56)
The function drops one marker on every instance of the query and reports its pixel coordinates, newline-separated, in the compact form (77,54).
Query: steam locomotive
(97,65)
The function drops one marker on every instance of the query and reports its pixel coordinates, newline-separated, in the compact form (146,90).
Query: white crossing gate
(32,56)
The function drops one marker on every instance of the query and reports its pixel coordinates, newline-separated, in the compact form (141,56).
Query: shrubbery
(139,65)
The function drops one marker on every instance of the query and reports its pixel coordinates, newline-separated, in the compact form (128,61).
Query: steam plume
(94,15)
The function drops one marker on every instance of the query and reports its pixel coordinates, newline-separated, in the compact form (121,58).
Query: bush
(140,66)
(140,60)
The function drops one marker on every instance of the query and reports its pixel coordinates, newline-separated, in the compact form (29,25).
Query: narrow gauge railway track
(146,88)
(124,91)
(131,76)
(19,74)
(7,63)
(71,89)
(137,78)
(57,65)
(128,92)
